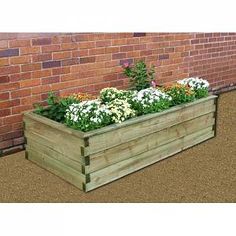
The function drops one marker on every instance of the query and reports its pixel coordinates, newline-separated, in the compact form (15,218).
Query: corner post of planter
(216,115)
(86,162)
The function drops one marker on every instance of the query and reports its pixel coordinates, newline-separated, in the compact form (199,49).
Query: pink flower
(126,65)
(153,84)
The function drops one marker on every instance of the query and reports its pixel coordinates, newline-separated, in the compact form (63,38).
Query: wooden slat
(53,124)
(124,134)
(59,141)
(135,163)
(146,143)
(33,144)
(72,176)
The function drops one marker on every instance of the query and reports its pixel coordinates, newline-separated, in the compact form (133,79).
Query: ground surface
(204,173)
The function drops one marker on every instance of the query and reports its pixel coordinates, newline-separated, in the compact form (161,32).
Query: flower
(153,84)
(126,65)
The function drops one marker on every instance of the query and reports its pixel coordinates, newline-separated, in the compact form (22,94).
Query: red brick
(80,37)
(51,48)
(4,96)
(21,93)
(42,57)
(118,55)
(51,80)
(5,112)
(59,71)
(61,55)
(116,42)
(110,77)
(19,43)
(4,61)
(6,144)
(69,46)
(20,109)
(29,50)
(9,86)
(96,51)
(3,43)
(41,41)
(20,76)
(4,79)
(12,119)
(41,73)
(126,48)
(80,53)
(70,62)
(9,70)
(30,100)
(20,60)
(11,103)
(84,60)
(103,43)
(5,129)
(112,49)
(31,67)
(103,57)
(86,45)
(29,83)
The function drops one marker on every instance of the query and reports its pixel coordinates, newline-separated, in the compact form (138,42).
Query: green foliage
(57,107)
(201,93)
(140,76)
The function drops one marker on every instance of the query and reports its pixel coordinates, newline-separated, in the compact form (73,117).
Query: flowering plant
(198,85)
(88,115)
(180,93)
(139,75)
(120,110)
(83,112)
(110,94)
(150,100)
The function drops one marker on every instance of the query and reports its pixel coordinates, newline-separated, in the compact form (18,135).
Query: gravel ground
(204,173)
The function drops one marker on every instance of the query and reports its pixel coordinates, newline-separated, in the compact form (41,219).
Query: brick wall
(33,64)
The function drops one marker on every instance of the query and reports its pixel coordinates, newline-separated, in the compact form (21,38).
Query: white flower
(194,83)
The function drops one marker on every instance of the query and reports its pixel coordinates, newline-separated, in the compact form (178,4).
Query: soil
(204,173)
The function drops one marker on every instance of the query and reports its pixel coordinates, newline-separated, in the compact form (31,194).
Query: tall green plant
(140,76)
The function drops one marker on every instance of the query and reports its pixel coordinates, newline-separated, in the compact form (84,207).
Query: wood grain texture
(135,163)
(139,129)
(148,142)
(72,176)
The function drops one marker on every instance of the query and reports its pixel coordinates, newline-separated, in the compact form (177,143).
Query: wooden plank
(64,143)
(146,143)
(53,124)
(135,163)
(72,176)
(33,144)
(124,134)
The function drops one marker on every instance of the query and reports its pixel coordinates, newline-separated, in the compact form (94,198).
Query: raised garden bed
(91,159)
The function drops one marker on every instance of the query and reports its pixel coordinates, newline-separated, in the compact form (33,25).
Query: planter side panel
(135,163)
(54,150)
(161,121)
(170,134)
(132,148)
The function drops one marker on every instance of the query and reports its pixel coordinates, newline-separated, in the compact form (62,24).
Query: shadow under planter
(91,159)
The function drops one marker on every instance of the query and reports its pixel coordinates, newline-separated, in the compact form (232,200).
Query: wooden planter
(89,160)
